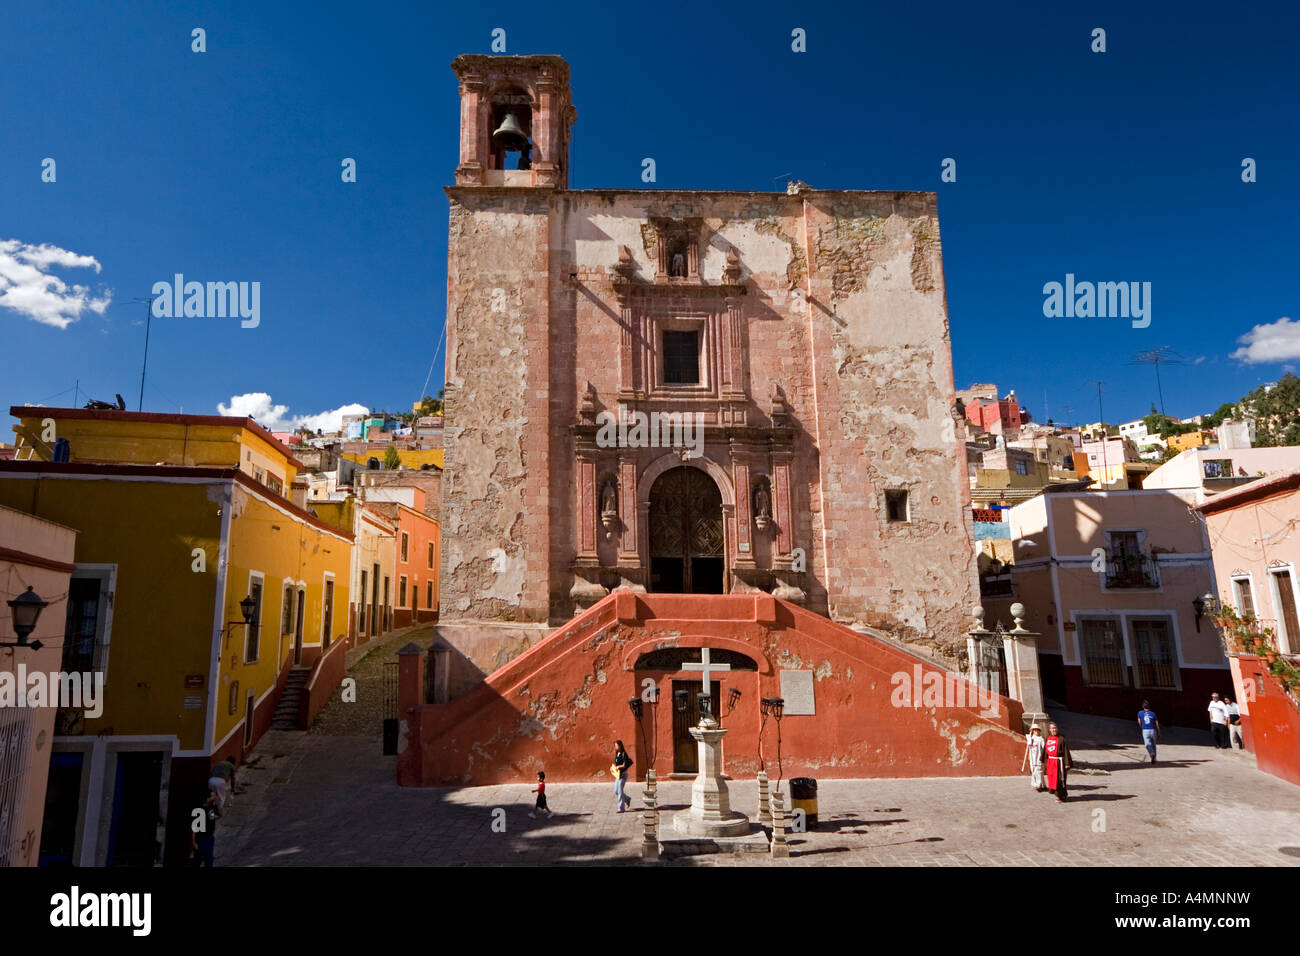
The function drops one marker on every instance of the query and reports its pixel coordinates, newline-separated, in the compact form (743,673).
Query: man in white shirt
(1218,721)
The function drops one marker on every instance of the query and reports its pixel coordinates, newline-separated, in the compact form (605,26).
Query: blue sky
(225,165)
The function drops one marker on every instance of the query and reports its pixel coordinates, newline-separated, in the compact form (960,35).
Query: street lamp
(25,610)
(637,709)
(652,696)
(778,711)
(1199,606)
(247,607)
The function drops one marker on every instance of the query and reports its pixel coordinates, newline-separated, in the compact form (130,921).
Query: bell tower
(515,114)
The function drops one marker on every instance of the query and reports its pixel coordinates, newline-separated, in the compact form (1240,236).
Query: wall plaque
(797,689)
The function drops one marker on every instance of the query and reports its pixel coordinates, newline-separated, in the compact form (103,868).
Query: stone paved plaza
(328,800)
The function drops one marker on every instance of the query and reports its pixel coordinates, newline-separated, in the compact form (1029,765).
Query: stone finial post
(973,639)
(650,823)
(779,847)
(1020,647)
(764,799)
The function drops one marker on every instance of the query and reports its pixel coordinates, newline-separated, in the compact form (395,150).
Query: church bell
(509,136)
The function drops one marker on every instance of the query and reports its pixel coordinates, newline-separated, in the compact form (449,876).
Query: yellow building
(179,519)
(373,570)
(411,458)
(1190,440)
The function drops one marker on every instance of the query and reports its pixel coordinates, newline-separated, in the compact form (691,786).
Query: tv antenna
(1154,357)
(148,319)
(1105,436)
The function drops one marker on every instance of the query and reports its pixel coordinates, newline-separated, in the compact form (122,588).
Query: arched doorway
(687,541)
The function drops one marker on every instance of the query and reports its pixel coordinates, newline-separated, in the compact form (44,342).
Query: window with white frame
(406,540)
(327,612)
(253,635)
(286,614)
(1244,596)
(1103,652)
(1284,600)
(1155,662)
(88,623)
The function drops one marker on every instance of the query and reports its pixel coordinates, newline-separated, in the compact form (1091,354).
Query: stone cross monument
(710,813)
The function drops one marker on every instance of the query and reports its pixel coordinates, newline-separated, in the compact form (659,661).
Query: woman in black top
(621,764)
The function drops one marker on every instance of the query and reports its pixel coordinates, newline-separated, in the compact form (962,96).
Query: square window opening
(681,357)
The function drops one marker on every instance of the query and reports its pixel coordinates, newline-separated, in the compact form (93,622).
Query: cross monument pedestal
(710,813)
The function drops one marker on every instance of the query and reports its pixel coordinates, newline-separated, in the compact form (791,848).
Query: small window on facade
(431,555)
(405,541)
(428,595)
(253,640)
(401,591)
(1103,653)
(286,616)
(1245,597)
(681,357)
(1022,468)
(896,505)
(1124,543)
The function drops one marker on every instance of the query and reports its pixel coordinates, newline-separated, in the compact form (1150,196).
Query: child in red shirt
(541,796)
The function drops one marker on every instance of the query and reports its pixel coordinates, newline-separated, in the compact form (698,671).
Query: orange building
(418,547)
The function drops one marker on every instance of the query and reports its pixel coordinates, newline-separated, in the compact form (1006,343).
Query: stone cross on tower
(709,669)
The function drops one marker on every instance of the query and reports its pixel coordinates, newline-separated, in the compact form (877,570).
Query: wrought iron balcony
(1131,571)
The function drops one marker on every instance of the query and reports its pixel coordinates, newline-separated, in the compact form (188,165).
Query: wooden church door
(686,534)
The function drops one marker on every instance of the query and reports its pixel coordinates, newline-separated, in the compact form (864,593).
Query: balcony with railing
(1124,570)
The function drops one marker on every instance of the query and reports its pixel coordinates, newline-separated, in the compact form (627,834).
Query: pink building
(35,554)
(1257,562)
(997,416)
(1110,580)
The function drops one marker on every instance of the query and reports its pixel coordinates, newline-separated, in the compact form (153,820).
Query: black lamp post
(25,609)
(1199,606)
(247,608)
(637,709)
(778,711)
(653,700)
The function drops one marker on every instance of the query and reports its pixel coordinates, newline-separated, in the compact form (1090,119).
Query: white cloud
(259,406)
(1273,342)
(28,289)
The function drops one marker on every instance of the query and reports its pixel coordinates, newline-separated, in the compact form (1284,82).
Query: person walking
(1034,744)
(619,769)
(203,843)
(1150,728)
(541,797)
(1218,722)
(222,780)
(1058,762)
(1234,721)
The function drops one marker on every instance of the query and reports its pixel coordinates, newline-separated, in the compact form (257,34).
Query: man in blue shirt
(1150,728)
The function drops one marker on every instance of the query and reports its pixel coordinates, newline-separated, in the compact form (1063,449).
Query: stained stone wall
(843,307)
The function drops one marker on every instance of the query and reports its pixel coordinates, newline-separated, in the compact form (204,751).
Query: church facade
(693,392)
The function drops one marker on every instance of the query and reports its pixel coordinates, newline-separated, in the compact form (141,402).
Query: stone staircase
(289,707)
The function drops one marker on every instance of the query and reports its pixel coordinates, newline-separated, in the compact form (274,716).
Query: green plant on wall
(1243,634)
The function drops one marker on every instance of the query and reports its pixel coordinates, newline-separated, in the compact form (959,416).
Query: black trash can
(803,796)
